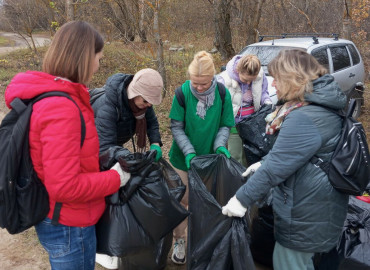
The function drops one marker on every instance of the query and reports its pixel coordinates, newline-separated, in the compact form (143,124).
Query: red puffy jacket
(70,173)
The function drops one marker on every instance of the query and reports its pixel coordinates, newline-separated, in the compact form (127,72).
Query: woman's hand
(251,169)
(234,208)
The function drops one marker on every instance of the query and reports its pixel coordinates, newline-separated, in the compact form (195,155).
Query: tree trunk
(158,40)
(253,22)
(223,38)
(69,10)
(347,19)
(142,31)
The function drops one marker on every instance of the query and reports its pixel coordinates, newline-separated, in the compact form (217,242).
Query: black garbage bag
(262,236)
(353,248)
(154,256)
(354,244)
(142,213)
(216,241)
(252,130)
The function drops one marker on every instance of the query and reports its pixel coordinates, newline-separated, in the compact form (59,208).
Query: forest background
(165,35)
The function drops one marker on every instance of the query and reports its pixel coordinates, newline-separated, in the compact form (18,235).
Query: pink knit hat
(147,83)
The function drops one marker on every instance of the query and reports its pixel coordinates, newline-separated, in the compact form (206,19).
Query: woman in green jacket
(200,127)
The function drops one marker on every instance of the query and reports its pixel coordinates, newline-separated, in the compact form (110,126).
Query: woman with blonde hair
(68,169)
(200,127)
(308,212)
(247,84)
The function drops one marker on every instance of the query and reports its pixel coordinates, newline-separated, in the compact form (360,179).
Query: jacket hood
(326,92)
(116,88)
(231,67)
(27,85)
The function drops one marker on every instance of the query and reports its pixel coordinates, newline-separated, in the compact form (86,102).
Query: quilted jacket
(70,172)
(114,119)
(308,212)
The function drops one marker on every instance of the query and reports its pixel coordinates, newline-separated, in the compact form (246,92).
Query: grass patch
(4,42)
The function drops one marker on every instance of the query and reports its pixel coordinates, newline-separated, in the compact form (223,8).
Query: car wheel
(355,95)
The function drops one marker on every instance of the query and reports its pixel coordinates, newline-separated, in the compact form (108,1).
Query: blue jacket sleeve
(297,142)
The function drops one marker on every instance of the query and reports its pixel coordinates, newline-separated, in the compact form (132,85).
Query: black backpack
(348,169)
(24,201)
(181,98)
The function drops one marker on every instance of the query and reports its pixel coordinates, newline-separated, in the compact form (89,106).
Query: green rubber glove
(224,151)
(159,151)
(188,158)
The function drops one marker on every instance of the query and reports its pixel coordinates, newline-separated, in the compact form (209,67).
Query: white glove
(234,208)
(251,169)
(124,176)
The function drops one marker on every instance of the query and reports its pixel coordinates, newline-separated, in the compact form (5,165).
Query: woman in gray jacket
(308,212)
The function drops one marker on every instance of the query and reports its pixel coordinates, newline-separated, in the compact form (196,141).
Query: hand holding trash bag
(124,176)
(157,148)
(223,150)
(188,159)
(251,169)
(234,208)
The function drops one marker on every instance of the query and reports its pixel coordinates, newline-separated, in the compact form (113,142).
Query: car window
(354,54)
(321,56)
(340,57)
(264,53)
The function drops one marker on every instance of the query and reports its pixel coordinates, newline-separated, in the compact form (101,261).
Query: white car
(339,56)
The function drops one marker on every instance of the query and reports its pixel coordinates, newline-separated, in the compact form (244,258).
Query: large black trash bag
(221,176)
(354,244)
(262,236)
(142,212)
(353,248)
(110,156)
(154,256)
(252,130)
(216,241)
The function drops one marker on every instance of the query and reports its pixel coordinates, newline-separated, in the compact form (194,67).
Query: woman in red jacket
(69,171)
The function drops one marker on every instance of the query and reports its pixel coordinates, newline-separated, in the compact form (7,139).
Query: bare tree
(223,38)
(156,6)
(24,17)
(70,10)
(252,20)
(347,19)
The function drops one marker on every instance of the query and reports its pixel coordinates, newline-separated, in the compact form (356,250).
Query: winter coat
(69,172)
(230,78)
(308,212)
(114,119)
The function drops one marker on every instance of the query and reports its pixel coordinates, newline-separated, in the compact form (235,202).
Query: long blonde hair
(72,52)
(202,65)
(295,70)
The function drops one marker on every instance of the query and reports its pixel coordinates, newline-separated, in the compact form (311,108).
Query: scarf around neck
(205,99)
(140,129)
(276,118)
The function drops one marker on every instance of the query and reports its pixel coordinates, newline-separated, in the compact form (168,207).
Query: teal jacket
(308,212)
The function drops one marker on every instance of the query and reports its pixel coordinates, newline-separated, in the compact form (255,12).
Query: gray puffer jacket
(308,212)
(113,117)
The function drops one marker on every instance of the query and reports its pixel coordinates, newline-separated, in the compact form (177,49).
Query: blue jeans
(69,248)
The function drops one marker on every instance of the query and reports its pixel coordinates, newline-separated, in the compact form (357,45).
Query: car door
(340,67)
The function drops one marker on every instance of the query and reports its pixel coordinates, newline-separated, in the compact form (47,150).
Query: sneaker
(178,253)
(107,261)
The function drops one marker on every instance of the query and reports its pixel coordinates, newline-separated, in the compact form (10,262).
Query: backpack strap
(63,94)
(181,98)
(222,91)
(58,205)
